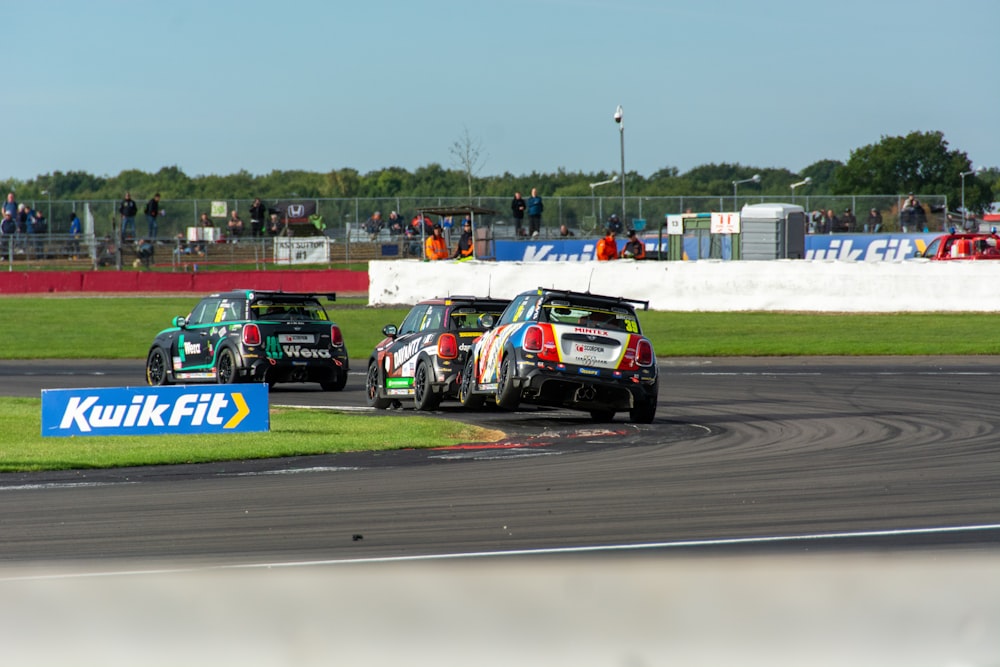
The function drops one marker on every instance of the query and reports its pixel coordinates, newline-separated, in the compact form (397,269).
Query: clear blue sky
(216,86)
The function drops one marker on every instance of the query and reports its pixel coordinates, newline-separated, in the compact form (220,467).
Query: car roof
(547,293)
(462,300)
(272,294)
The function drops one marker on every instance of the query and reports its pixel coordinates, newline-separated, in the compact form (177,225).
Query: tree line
(919,162)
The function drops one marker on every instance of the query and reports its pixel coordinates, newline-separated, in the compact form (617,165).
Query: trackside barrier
(828,285)
(144,282)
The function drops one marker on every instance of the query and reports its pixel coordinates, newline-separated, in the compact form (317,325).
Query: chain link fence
(343,220)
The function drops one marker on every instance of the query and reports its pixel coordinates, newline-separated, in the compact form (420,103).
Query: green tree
(920,162)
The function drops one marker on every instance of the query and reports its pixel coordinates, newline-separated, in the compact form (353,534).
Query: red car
(963,246)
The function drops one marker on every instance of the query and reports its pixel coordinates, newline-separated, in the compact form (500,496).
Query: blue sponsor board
(867,247)
(155,410)
(843,247)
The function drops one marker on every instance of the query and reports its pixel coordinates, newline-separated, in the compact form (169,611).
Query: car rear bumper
(287,370)
(584,388)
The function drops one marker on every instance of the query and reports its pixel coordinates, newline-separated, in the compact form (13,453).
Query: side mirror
(390,330)
(179,322)
(486,321)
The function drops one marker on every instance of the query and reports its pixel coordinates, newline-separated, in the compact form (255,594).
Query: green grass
(294,432)
(123,327)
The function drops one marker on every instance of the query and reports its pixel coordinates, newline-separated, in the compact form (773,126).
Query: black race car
(251,336)
(423,357)
(567,349)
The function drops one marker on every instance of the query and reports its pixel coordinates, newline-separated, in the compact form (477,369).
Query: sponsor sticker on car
(296,338)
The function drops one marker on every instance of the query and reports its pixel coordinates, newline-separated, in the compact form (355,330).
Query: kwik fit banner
(155,410)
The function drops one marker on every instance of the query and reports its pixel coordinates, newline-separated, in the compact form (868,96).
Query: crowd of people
(23,227)
(419,237)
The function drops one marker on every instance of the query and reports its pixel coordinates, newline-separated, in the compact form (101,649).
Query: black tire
(508,396)
(602,416)
(373,387)
(157,365)
(337,384)
(465,395)
(226,371)
(424,397)
(644,411)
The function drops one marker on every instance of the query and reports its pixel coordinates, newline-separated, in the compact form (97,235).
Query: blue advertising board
(842,247)
(155,410)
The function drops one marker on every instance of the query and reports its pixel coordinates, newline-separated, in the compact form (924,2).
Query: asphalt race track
(881,473)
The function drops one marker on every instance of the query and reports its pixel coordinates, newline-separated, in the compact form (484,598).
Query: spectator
(144,253)
(911,216)
(615,224)
(848,223)
(8,226)
(607,247)
(274,223)
(152,211)
(634,247)
(10,206)
(435,247)
(535,208)
(565,231)
(396,224)
(517,208)
(37,226)
(873,223)
(127,209)
(75,230)
(465,248)
(235,225)
(204,222)
(181,246)
(832,222)
(411,248)
(257,213)
(373,226)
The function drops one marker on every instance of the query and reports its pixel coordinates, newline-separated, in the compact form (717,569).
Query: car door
(195,347)
(418,330)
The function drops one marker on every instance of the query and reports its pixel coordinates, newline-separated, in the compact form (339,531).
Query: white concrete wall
(710,285)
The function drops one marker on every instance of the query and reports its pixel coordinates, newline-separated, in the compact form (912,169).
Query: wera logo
(154,410)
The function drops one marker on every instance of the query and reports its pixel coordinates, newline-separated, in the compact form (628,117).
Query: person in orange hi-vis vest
(607,248)
(435,246)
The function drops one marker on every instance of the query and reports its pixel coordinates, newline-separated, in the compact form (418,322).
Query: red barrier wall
(141,282)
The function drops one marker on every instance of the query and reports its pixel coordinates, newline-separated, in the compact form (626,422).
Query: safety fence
(344,219)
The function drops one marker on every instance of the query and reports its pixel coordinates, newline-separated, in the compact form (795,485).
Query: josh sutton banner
(155,410)
(844,247)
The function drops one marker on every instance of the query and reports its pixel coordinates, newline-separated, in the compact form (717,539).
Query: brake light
(533,339)
(251,334)
(336,337)
(644,353)
(447,346)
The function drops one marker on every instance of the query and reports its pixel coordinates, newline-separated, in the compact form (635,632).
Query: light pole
(806,181)
(593,200)
(620,119)
(753,179)
(964,174)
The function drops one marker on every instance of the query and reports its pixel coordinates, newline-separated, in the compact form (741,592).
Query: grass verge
(123,328)
(294,432)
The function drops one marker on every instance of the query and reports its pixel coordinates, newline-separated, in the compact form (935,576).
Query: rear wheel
(337,384)
(507,395)
(465,387)
(225,369)
(373,386)
(156,368)
(424,397)
(644,411)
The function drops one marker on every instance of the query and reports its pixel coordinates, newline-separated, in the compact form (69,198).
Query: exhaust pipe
(585,393)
